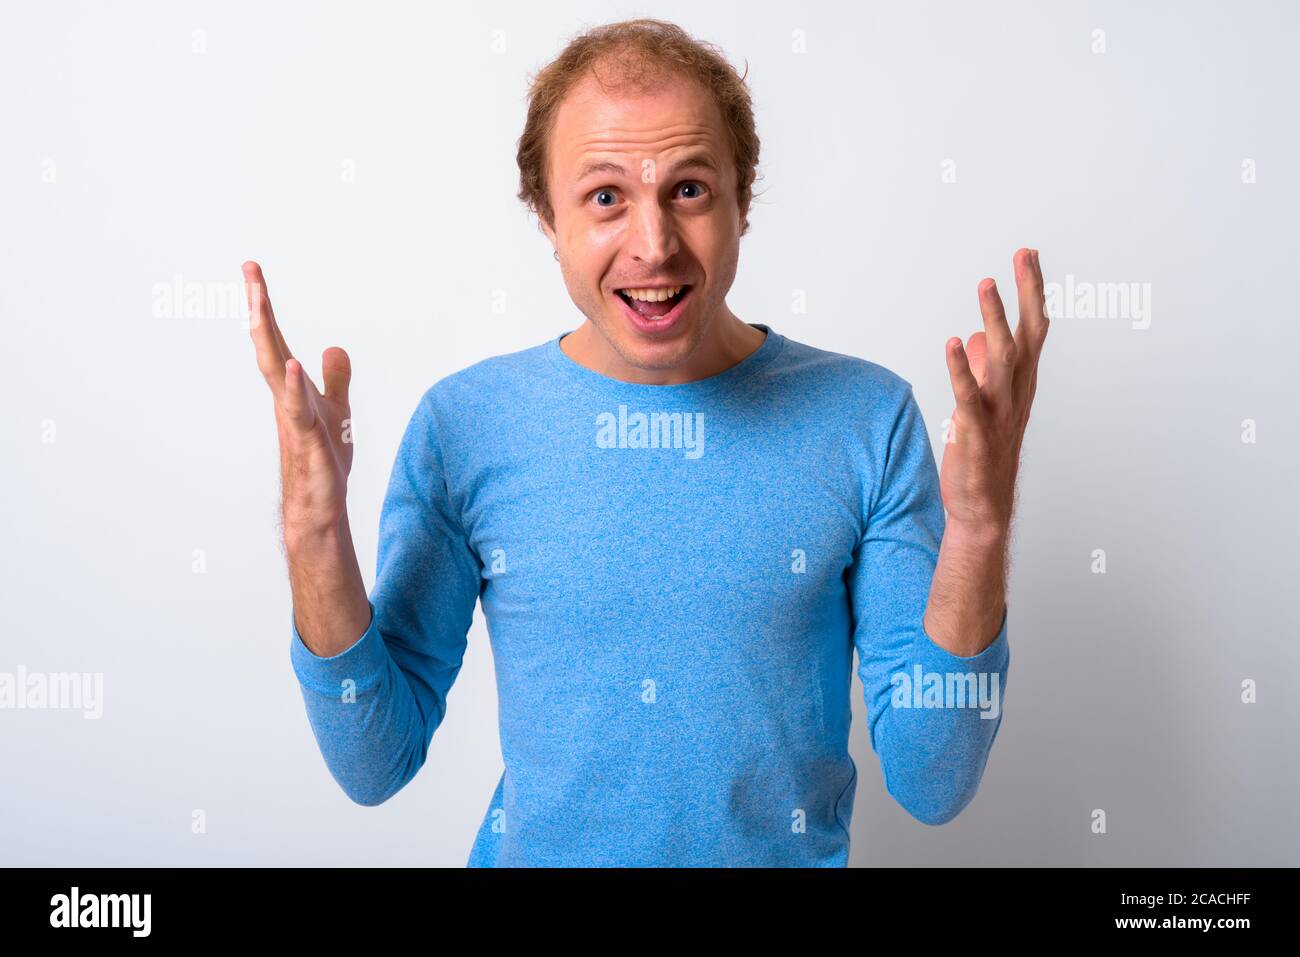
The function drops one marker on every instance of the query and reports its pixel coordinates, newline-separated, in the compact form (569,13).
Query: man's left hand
(994,390)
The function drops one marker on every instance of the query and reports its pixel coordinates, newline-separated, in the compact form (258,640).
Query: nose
(652,239)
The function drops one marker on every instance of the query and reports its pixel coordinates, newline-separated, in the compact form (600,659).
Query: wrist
(989,536)
(304,539)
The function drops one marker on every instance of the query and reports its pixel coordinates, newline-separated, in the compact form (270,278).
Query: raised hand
(994,392)
(314,427)
(330,608)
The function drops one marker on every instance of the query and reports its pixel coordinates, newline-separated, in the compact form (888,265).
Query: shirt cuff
(995,657)
(364,663)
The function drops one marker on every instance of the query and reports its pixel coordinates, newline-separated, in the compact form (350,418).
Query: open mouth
(654,305)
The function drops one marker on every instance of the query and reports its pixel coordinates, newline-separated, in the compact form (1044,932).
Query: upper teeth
(653,295)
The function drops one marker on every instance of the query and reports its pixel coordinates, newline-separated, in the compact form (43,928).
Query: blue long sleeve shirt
(674,579)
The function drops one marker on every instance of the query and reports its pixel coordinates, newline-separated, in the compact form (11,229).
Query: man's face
(643,187)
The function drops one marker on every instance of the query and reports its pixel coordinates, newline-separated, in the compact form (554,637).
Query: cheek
(601,239)
(593,253)
(717,245)
(719,227)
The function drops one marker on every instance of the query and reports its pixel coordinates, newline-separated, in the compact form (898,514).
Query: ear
(550,233)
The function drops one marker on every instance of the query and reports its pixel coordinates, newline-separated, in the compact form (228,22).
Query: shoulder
(497,383)
(849,381)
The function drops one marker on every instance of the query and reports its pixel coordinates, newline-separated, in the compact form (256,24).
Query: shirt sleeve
(932,734)
(375,706)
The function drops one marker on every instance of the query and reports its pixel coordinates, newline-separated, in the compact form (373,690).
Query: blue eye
(699,187)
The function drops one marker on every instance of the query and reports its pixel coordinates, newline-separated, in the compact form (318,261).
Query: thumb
(336,373)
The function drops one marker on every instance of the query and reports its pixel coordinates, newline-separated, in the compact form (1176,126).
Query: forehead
(593,120)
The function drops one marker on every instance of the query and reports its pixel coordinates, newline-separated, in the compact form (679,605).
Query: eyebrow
(693,161)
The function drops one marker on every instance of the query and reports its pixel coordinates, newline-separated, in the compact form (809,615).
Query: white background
(129,158)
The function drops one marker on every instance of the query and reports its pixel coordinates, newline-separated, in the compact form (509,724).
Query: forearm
(371,729)
(933,751)
(967,601)
(330,607)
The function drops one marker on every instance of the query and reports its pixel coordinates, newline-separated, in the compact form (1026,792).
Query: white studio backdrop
(364,154)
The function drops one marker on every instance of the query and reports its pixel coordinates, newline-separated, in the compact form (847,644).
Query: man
(680,524)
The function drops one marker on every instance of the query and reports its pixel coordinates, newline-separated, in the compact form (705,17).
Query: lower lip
(652,327)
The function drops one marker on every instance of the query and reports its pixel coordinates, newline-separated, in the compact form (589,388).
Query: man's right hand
(315,429)
(330,607)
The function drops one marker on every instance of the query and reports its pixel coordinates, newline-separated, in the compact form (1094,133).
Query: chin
(661,351)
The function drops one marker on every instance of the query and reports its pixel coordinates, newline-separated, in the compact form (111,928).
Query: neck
(727,341)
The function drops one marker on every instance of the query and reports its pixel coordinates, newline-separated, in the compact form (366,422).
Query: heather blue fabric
(673,627)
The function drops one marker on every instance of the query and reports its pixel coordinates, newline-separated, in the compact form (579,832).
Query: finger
(1032,300)
(1032,327)
(336,373)
(965,389)
(298,406)
(977,355)
(1001,345)
(270,360)
(261,313)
